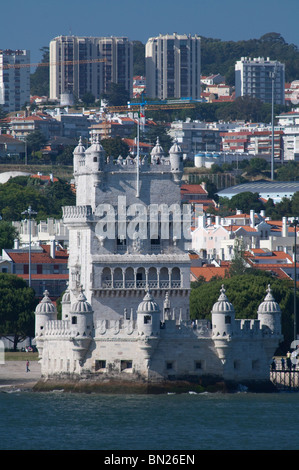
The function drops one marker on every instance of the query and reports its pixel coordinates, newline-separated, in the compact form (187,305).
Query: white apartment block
(173,64)
(253,77)
(14,79)
(289,122)
(89,64)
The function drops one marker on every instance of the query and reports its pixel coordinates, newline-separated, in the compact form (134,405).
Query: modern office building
(14,79)
(254,77)
(173,66)
(89,64)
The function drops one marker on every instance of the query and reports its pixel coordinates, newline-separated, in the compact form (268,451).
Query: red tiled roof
(208,272)
(44,177)
(45,276)
(132,143)
(193,189)
(61,256)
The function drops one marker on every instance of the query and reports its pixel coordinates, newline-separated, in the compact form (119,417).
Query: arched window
(118,278)
(152,278)
(129,278)
(106,277)
(140,278)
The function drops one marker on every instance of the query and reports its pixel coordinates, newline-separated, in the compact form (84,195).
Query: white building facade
(173,64)
(253,77)
(89,64)
(14,79)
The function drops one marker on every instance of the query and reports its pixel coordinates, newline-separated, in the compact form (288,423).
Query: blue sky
(31,24)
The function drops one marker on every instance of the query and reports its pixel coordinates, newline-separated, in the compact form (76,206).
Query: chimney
(252,218)
(284,227)
(52,248)
(16,244)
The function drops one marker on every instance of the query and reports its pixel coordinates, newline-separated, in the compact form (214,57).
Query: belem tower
(125,314)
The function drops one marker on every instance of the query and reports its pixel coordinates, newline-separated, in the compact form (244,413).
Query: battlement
(248,327)
(79,213)
(57,328)
(125,327)
(127,165)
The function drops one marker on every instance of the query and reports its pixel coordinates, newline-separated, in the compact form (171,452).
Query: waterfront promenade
(13,375)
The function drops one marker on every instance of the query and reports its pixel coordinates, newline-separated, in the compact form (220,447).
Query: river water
(207,421)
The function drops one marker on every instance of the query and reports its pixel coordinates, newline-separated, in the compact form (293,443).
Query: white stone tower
(128,232)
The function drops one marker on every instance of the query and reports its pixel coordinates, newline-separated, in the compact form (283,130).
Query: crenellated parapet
(57,328)
(77,213)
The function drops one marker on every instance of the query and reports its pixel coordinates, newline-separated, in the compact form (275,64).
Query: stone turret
(223,316)
(269,314)
(44,312)
(81,314)
(66,304)
(176,161)
(157,153)
(95,156)
(79,154)
(148,317)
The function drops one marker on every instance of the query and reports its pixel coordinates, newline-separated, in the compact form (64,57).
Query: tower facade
(14,79)
(173,66)
(89,64)
(255,77)
(125,314)
(124,239)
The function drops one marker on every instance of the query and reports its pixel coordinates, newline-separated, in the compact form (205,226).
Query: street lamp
(294,224)
(29,212)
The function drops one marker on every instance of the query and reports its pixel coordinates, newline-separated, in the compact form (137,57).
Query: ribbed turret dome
(223,305)
(148,305)
(80,149)
(66,298)
(95,147)
(269,305)
(81,306)
(46,305)
(157,151)
(175,148)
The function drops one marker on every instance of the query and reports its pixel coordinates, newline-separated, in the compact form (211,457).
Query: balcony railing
(152,284)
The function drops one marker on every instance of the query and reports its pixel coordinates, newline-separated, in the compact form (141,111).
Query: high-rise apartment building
(89,64)
(254,77)
(173,66)
(14,79)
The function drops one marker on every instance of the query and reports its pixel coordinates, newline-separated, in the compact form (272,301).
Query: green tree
(115,147)
(88,99)
(160,131)
(238,263)
(35,141)
(66,156)
(47,199)
(39,80)
(246,292)
(288,172)
(8,234)
(116,95)
(138,58)
(295,204)
(17,305)
(246,201)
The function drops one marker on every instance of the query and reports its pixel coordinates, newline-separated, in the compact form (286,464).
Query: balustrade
(140,284)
